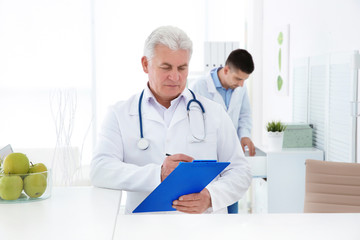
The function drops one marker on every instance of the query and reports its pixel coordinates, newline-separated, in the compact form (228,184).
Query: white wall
(316,27)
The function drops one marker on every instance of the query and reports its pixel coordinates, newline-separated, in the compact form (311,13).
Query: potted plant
(275,131)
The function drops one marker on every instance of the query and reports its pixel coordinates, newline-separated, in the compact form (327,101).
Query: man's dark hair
(242,60)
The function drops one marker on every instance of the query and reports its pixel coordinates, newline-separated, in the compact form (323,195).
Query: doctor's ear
(145,64)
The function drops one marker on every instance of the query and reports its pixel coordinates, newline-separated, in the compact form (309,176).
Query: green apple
(37,168)
(16,163)
(35,185)
(11,187)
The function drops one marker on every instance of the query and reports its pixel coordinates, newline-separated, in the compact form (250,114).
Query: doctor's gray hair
(169,36)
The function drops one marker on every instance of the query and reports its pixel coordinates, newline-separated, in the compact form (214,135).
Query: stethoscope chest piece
(143,143)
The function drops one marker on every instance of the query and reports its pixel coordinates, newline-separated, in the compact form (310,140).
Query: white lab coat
(119,164)
(239,107)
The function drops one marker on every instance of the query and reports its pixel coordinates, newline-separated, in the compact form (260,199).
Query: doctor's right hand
(171,162)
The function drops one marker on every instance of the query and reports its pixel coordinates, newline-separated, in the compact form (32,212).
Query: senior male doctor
(137,133)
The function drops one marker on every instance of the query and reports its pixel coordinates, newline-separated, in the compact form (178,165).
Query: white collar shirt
(165,113)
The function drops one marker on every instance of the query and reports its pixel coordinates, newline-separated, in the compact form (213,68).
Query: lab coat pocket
(203,150)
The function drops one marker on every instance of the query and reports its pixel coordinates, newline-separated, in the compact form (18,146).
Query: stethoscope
(144,143)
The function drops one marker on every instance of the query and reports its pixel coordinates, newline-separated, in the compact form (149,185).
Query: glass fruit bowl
(18,188)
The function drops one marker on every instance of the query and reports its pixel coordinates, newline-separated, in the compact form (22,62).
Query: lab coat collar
(214,93)
(234,104)
(210,84)
(147,111)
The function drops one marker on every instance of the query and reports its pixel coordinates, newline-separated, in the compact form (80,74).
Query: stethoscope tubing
(140,115)
(194,100)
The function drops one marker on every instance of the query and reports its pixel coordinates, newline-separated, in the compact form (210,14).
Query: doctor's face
(167,71)
(234,78)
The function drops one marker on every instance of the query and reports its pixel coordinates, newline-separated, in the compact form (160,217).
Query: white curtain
(63,62)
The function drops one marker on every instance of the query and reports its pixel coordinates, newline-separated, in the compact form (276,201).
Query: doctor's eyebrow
(167,65)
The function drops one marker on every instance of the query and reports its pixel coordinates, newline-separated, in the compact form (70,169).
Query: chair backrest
(332,187)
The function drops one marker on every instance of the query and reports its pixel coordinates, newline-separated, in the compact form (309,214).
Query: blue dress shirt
(225,93)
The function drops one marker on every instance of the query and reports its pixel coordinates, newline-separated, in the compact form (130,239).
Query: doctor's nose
(174,75)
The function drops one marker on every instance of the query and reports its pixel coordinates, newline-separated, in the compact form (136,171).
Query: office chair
(332,187)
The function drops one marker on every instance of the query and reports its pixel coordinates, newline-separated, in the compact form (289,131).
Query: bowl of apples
(23,181)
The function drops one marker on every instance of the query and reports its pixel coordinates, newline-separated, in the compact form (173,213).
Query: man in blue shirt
(226,85)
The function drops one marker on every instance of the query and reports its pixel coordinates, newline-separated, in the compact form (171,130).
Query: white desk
(87,213)
(286,178)
(244,227)
(70,213)
(285,173)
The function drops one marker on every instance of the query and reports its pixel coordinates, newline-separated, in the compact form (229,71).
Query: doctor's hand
(171,162)
(245,141)
(193,203)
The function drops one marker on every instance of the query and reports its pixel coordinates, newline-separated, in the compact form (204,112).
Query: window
(332,87)
(62,63)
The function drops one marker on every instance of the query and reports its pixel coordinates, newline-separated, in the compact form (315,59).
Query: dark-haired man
(226,85)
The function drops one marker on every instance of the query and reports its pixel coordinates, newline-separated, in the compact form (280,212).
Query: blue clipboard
(187,178)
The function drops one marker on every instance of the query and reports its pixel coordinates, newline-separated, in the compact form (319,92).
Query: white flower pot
(275,140)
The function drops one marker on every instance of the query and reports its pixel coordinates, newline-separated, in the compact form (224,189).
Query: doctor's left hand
(193,203)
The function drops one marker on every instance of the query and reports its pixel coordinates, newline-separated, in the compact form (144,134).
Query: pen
(167,154)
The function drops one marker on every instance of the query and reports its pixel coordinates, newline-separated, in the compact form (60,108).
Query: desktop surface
(238,226)
(93,213)
(70,213)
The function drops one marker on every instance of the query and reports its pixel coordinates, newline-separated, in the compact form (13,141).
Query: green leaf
(280,59)
(280,38)
(279,82)
(274,126)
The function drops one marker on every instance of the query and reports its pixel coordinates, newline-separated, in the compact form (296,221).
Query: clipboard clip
(204,161)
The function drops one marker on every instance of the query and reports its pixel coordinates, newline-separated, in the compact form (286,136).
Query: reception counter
(238,226)
(74,213)
(70,213)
